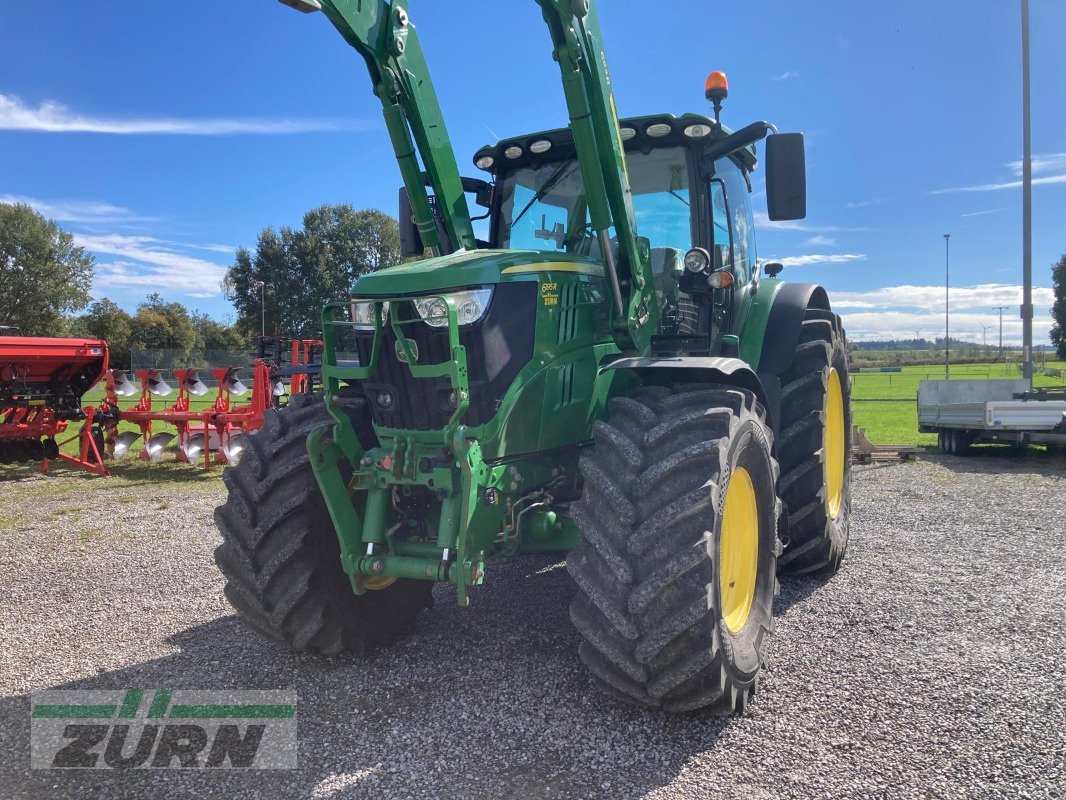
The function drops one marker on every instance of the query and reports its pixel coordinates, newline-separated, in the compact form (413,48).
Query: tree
(163,326)
(305,269)
(214,335)
(105,320)
(43,275)
(1058,310)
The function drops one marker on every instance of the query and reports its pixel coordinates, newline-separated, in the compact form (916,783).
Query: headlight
(363,315)
(469,307)
(697,259)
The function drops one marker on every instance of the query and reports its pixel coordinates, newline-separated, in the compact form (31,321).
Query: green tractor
(659,404)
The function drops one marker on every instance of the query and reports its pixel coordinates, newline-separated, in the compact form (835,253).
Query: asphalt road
(931,666)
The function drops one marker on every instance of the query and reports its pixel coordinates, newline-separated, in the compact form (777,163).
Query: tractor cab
(683,197)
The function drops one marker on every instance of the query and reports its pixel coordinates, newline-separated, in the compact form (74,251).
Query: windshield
(545,208)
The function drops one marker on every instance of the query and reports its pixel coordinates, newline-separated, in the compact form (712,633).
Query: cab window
(736,216)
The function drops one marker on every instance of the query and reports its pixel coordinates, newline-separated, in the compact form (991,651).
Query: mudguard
(693,369)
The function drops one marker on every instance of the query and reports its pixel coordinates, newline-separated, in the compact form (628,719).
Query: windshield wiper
(545,187)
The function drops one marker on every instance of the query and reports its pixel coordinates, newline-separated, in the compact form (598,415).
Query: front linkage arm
(574,26)
(384,36)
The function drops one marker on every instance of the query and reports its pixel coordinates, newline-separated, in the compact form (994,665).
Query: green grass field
(885,403)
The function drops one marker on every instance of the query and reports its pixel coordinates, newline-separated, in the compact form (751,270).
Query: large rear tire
(814,448)
(675,569)
(280,555)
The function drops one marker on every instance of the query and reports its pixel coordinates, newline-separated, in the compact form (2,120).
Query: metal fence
(167,359)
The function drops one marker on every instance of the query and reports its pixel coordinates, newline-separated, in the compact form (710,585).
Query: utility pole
(1027,209)
(947,325)
(262,308)
(984,335)
(1000,309)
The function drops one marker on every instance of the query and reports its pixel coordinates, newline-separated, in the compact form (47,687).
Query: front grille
(497,348)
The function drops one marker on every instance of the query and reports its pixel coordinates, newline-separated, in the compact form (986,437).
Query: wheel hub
(738,545)
(833,444)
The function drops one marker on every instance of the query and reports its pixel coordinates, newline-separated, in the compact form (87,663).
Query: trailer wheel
(675,570)
(280,555)
(814,448)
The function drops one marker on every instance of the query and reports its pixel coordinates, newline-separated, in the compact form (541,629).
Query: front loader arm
(384,36)
(578,44)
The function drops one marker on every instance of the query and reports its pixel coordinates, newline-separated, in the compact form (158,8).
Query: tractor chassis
(483,509)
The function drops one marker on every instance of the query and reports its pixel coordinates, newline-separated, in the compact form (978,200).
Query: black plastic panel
(497,348)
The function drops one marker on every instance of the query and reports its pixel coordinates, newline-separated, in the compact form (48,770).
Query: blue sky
(166,135)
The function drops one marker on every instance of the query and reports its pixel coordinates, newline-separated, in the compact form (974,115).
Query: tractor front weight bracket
(444,461)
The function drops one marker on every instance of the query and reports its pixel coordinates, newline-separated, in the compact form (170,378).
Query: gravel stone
(932,665)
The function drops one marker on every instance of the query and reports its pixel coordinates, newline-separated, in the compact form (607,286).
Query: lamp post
(947,323)
(261,285)
(1027,209)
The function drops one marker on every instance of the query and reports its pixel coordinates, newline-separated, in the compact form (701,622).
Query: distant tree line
(303,270)
(156,324)
(45,280)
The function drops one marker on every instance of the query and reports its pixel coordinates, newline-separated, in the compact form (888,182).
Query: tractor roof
(638,133)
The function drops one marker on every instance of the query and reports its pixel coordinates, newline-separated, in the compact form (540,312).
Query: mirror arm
(737,140)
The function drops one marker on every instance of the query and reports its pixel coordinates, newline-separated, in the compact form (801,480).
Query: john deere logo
(401,354)
(180,729)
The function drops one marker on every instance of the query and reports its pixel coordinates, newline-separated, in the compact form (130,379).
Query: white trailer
(967,411)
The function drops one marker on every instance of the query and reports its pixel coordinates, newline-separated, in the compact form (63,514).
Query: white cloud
(993,187)
(144,261)
(931,298)
(981,213)
(873,201)
(788,74)
(894,312)
(1048,162)
(806,261)
(762,220)
(819,241)
(875,325)
(51,117)
(79,211)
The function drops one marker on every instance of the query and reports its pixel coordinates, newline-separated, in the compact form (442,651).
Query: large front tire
(814,447)
(280,555)
(675,570)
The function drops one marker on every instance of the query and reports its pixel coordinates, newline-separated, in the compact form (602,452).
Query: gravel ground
(931,666)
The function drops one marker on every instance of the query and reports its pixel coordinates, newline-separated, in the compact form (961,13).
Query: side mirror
(482,191)
(786,177)
(410,238)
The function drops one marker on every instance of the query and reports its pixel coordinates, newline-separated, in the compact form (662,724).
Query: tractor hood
(471,268)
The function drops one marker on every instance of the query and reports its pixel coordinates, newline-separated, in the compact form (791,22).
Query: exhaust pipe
(123,386)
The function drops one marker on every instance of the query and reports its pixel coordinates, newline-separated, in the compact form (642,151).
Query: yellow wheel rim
(383,582)
(833,445)
(738,550)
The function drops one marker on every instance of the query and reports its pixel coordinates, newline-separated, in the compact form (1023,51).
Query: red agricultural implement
(42,381)
(203,434)
(212,433)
